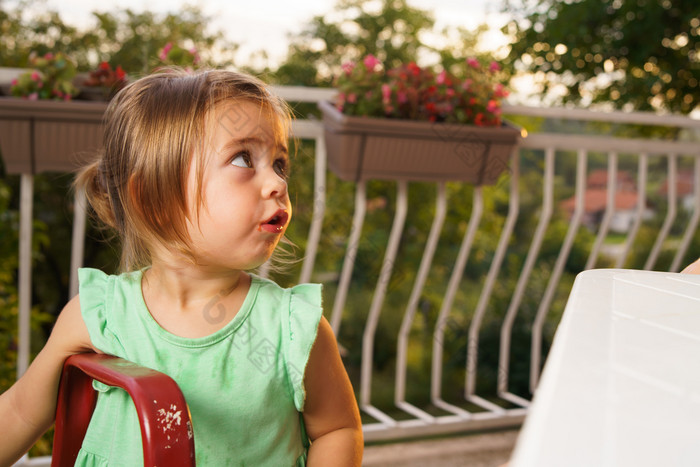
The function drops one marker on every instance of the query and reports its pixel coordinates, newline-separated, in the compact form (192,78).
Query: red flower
(412,92)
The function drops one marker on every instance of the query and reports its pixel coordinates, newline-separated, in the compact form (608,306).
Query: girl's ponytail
(90,179)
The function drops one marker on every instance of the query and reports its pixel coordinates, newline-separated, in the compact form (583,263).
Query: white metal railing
(504,407)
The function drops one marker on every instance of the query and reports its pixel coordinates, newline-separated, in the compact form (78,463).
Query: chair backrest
(164,443)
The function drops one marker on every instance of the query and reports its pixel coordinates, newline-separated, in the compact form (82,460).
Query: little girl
(193,179)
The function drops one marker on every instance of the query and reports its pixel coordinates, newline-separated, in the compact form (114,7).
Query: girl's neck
(191,285)
(193,301)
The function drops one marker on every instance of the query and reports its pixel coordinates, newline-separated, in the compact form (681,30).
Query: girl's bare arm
(28,408)
(693,268)
(331,415)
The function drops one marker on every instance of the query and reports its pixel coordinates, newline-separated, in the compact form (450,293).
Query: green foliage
(9,241)
(51,78)
(122,37)
(631,54)
(356,29)
(42,33)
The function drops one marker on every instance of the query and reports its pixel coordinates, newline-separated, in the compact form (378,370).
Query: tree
(357,28)
(639,54)
(122,37)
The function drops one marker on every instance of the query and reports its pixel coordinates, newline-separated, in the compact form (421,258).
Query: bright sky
(252,25)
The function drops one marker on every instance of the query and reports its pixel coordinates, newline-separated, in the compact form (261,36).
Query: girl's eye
(242,160)
(281,168)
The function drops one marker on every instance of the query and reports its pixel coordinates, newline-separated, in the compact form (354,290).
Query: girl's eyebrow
(254,140)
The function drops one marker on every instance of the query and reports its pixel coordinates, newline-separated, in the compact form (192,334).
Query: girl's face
(244,209)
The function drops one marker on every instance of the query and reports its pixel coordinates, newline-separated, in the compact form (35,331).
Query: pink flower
(371,62)
(36,76)
(48,56)
(473,62)
(352,97)
(493,67)
(14,82)
(348,67)
(33,96)
(401,97)
(386,93)
(441,78)
(164,53)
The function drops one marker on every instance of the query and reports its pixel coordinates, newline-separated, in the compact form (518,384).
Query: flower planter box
(364,148)
(43,136)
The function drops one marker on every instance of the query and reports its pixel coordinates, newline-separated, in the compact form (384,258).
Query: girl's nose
(275,185)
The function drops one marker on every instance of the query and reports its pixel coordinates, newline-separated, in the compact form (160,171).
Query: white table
(621,385)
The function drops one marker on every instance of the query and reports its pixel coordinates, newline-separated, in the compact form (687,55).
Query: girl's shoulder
(108,305)
(300,295)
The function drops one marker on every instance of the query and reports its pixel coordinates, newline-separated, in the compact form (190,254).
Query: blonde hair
(137,184)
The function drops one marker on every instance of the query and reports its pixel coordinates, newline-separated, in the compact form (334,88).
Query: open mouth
(276,223)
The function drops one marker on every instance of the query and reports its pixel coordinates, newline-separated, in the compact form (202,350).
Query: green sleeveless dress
(244,384)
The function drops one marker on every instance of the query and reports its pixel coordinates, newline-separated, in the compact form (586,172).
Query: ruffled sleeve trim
(300,329)
(95,293)
(88,459)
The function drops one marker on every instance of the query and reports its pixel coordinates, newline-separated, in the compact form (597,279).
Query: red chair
(164,443)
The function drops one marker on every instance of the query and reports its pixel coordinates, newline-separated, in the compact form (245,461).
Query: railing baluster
(455,279)
(641,208)
(506,328)
(670,215)
(78,239)
(378,300)
(473,335)
(358,220)
(574,225)
(25,272)
(404,332)
(692,224)
(319,210)
(611,191)
(547,203)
